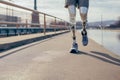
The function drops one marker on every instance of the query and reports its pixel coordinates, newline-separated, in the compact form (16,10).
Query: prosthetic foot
(74,48)
(84,35)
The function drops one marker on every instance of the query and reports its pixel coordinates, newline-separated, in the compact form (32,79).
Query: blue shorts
(77,3)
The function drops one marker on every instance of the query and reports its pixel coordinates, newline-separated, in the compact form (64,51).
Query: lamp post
(35,4)
(35,15)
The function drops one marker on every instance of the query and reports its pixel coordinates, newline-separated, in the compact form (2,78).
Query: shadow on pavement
(107,56)
(101,56)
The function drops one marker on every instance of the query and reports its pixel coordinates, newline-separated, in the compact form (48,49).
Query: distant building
(7,18)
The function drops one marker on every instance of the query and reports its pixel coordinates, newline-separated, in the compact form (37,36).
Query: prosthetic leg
(72,13)
(83,14)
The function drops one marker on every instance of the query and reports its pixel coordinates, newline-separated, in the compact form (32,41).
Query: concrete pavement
(7,43)
(50,60)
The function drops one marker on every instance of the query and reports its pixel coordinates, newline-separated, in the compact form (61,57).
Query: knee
(83,10)
(72,10)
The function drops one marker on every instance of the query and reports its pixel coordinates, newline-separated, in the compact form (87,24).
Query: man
(83,6)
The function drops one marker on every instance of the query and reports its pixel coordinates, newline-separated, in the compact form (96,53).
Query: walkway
(50,60)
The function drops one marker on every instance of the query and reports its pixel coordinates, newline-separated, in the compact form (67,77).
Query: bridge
(36,45)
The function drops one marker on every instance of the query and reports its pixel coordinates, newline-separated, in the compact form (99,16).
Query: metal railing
(19,18)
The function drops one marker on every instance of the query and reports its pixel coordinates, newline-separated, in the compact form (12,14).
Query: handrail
(11,4)
(4,22)
(34,18)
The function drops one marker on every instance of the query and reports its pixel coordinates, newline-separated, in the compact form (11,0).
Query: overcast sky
(109,9)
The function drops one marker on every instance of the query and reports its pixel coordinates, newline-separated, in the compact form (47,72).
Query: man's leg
(83,14)
(72,14)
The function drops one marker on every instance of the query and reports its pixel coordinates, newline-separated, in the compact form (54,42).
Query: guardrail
(15,19)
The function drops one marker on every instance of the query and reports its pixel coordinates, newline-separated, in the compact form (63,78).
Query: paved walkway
(7,43)
(12,39)
(50,60)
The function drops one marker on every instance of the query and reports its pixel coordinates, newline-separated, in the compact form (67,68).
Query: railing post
(26,23)
(26,26)
(44,24)
(55,25)
(61,25)
(17,26)
(66,26)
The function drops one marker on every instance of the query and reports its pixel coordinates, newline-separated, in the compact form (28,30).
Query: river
(107,38)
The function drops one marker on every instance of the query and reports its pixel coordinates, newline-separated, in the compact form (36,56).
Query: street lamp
(35,4)
(35,15)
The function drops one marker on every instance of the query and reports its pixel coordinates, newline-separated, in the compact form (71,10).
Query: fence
(21,20)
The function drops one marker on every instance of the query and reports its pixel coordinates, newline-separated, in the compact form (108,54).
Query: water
(109,39)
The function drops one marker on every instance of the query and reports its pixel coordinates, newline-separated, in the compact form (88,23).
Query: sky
(108,9)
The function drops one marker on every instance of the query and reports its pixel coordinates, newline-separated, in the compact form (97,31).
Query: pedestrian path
(50,60)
